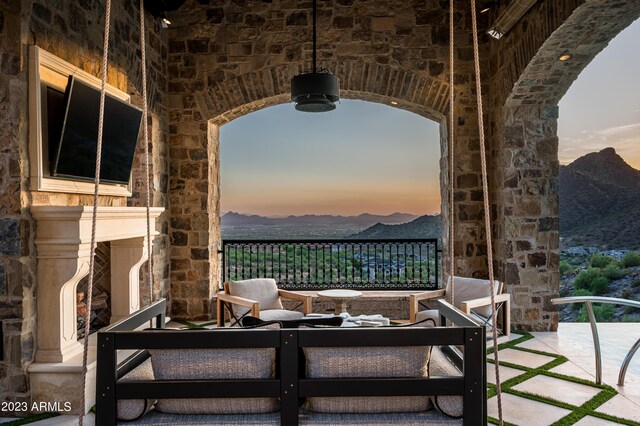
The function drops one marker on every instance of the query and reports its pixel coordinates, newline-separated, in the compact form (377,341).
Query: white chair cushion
(472,288)
(280,315)
(263,290)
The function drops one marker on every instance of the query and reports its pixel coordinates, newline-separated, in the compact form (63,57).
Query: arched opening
(598,153)
(527,153)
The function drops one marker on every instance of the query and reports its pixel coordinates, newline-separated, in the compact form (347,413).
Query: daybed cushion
(472,288)
(431,418)
(263,290)
(155,418)
(450,405)
(131,409)
(214,364)
(342,362)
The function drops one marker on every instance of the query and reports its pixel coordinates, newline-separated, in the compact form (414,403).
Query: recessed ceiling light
(565,57)
(394,102)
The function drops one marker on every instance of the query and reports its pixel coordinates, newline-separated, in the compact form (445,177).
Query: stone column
(127,256)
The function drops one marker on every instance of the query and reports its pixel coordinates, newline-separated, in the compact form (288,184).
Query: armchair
(472,296)
(260,298)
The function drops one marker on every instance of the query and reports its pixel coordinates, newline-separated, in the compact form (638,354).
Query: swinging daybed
(186,365)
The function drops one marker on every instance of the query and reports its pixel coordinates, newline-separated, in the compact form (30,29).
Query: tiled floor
(574,342)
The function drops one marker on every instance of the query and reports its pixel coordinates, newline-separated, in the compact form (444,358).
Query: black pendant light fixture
(315,91)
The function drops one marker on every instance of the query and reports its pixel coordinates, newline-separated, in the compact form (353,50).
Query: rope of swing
(145,129)
(105,57)
(452,261)
(485,193)
(94,219)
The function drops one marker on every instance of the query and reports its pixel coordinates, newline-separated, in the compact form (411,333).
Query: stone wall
(228,59)
(72,31)
(528,82)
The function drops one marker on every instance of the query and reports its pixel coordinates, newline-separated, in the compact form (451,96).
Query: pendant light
(315,91)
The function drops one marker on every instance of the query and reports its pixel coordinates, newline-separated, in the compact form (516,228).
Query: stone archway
(411,91)
(526,144)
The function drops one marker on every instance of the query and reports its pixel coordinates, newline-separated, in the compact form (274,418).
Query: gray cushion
(163,419)
(280,315)
(341,362)
(263,290)
(130,409)
(213,364)
(472,288)
(450,405)
(431,418)
(433,314)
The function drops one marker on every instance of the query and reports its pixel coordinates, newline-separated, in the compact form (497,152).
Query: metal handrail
(318,264)
(588,300)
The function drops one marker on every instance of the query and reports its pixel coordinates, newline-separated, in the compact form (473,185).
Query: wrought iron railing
(384,264)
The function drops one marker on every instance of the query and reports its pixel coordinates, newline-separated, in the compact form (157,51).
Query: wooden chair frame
(224,301)
(503,306)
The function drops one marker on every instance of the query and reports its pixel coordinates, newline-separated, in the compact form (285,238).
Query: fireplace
(101,294)
(63,236)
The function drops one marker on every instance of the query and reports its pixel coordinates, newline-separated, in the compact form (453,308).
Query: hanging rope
(485,193)
(145,129)
(94,219)
(452,239)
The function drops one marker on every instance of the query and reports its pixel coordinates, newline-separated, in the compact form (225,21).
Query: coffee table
(340,298)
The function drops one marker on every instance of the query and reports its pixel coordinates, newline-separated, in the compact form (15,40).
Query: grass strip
(577,412)
(31,419)
(512,343)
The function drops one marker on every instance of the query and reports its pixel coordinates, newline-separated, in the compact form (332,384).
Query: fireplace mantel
(63,239)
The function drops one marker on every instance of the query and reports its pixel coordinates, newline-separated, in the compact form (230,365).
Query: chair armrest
(505,298)
(235,300)
(306,299)
(467,305)
(414,301)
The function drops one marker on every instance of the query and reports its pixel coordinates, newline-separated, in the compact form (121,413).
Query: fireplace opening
(101,294)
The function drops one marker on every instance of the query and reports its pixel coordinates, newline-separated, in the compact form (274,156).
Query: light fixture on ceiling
(165,22)
(509,17)
(315,91)
(485,10)
(565,57)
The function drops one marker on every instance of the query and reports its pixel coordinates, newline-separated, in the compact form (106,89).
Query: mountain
(422,227)
(365,219)
(600,201)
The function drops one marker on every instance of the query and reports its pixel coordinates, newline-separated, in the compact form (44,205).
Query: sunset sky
(367,157)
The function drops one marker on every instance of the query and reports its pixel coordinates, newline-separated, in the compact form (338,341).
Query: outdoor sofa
(289,376)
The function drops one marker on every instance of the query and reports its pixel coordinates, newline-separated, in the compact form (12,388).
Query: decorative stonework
(524,124)
(229,61)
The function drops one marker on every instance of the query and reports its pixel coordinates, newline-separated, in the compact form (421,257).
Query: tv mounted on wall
(74,157)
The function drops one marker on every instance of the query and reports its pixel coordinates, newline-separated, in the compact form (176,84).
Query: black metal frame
(295,278)
(289,386)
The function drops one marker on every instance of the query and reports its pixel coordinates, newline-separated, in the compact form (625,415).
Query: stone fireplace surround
(63,238)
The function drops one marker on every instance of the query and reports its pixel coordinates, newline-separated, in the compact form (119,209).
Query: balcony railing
(385,264)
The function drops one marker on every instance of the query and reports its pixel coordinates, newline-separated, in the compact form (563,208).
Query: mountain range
(599,196)
(600,202)
(421,227)
(365,219)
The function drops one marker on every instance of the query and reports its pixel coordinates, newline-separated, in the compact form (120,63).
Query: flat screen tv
(75,154)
